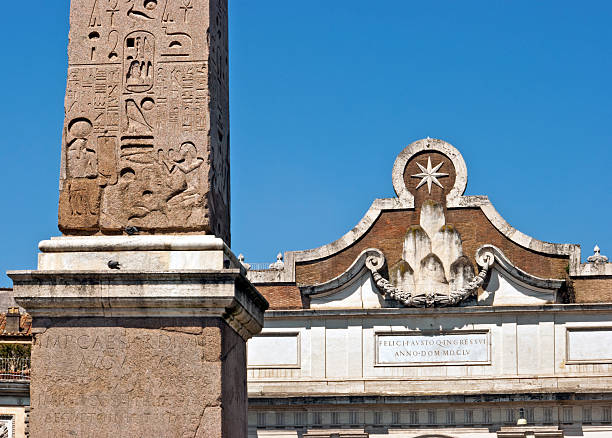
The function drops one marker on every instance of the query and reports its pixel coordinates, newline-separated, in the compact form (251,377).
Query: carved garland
(433,299)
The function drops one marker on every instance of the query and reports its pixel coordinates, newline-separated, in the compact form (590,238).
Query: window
(378,417)
(607,416)
(510,416)
(335,418)
(431,416)
(300,418)
(587,415)
(568,415)
(414,417)
(395,417)
(450,416)
(486,416)
(261,419)
(280,419)
(469,416)
(548,416)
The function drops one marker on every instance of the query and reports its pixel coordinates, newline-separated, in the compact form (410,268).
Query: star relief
(430,175)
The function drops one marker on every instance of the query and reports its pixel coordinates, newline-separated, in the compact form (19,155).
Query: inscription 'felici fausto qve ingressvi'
(398,349)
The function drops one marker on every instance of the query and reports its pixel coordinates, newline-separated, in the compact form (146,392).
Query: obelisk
(141,312)
(146,131)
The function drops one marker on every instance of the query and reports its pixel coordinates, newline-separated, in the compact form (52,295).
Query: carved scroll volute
(375,261)
(485,257)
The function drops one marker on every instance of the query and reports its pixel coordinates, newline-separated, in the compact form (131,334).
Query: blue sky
(325,94)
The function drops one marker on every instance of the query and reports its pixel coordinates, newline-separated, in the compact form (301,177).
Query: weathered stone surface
(148,348)
(146,132)
(138,377)
(117,293)
(142,252)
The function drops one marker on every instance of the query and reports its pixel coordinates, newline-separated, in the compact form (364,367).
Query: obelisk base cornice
(179,276)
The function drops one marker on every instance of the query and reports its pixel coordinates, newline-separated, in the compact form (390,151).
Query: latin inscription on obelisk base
(146,131)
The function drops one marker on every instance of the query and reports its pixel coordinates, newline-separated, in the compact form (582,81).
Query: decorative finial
(597,257)
(279,264)
(243,263)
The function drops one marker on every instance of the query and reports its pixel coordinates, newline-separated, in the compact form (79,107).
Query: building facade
(433,317)
(15,341)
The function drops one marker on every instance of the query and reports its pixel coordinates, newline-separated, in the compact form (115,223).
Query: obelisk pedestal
(155,347)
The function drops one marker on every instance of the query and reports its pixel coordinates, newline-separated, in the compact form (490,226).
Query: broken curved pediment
(509,285)
(502,283)
(429,234)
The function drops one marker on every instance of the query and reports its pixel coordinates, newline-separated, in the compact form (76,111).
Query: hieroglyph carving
(146,133)
(433,271)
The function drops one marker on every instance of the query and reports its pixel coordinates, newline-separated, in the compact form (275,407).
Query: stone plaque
(443,348)
(274,350)
(146,132)
(589,345)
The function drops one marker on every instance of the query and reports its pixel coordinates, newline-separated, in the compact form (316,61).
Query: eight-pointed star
(429,175)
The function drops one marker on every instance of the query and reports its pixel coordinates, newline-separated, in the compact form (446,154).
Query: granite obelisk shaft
(146,132)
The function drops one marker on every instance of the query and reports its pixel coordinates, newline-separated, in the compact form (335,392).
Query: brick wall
(282,295)
(593,290)
(387,234)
